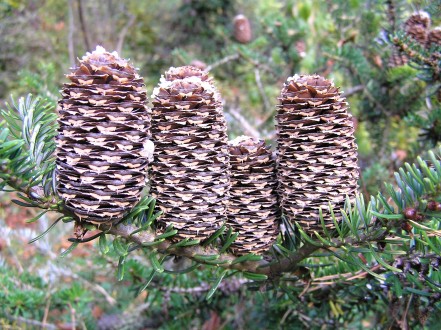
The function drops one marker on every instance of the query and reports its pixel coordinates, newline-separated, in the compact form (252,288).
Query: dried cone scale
(190,172)
(253,209)
(316,152)
(103,128)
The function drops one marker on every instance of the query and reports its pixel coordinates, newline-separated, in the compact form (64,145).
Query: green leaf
(120,248)
(247,258)
(104,248)
(37,217)
(387,216)
(147,283)
(45,232)
(418,292)
(19,202)
(167,234)
(254,276)
(68,250)
(121,267)
(157,266)
(215,235)
(184,243)
(229,240)
(216,284)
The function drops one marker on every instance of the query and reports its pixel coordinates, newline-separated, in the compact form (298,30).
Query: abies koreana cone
(190,171)
(316,152)
(253,210)
(102,142)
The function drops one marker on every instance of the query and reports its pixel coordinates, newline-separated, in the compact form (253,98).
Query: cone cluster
(190,172)
(103,128)
(316,153)
(253,209)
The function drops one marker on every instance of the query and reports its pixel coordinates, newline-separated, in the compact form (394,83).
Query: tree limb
(271,268)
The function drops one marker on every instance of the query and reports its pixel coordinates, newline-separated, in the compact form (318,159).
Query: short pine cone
(103,127)
(417,26)
(242,29)
(434,38)
(253,209)
(397,58)
(316,152)
(190,172)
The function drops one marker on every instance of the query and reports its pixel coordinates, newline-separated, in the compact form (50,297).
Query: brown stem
(271,268)
(83,26)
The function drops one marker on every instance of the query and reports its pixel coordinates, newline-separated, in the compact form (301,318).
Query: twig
(46,311)
(96,287)
(266,103)
(247,127)
(24,321)
(70,34)
(224,60)
(123,33)
(267,267)
(83,26)
(404,323)
(72,316)
(353,90)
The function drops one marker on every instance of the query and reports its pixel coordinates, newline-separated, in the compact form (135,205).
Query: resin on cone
(102,141)
(190,172)
(253,209)
(316,152)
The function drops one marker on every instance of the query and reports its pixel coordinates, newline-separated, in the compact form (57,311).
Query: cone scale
(103,130)
(190,172)
(316,152)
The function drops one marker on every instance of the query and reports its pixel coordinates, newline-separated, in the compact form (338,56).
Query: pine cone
(253,207)
(101,162)
(316,153)
(434,38)
(397,58)
(242,29)
(190,173)
(417,26)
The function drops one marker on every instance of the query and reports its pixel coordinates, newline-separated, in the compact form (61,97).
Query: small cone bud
(242,29)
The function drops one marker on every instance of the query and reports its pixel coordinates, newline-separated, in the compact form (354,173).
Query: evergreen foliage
(378,268)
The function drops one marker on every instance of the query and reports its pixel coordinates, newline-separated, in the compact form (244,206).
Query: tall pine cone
(417,26)
(253,208)
(103,127)
(190,172)
(317,154)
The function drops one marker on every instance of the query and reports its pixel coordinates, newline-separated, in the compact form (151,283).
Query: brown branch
(70,34)
(28,322)
(247,127)
(271,268)
(224,60)
(83,26)
(123,33)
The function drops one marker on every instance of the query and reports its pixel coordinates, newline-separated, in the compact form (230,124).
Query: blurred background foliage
(396,111)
